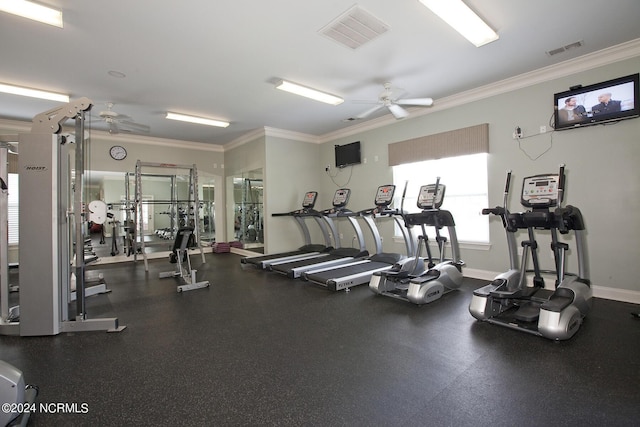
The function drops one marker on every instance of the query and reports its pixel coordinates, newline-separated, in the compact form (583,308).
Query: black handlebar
(561,178)
(498,210)
(435,192)
(508,183)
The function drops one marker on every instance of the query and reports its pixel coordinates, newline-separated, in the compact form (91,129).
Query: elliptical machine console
(509,300)
(411,281)
(430,198)
(540,191)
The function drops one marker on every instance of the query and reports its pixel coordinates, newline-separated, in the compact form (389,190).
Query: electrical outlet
(341,236)
(517,133)
(543,129)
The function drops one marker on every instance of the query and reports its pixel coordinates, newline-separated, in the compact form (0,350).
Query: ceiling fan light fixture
(34,11)
(462,19)
(197,120)
(309,93)
(33,93)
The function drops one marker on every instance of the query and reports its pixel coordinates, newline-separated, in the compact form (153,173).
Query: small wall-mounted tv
(348,154)
(603,102)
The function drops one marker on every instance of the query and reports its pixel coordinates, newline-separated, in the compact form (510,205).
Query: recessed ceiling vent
(564,48)
(354,28)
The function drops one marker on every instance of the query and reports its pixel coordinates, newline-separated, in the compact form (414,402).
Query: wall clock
(118,152)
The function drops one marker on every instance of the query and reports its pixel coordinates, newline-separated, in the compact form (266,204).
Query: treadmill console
(341,198)
(429,198)
(384,195)
(309,200)
(540,191)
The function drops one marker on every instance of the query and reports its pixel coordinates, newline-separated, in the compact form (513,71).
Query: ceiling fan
(121,123)
(394,104)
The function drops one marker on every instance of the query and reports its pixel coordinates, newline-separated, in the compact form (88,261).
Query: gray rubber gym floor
(261,349)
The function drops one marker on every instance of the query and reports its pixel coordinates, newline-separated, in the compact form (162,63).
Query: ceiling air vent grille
(354,28)
(564,48)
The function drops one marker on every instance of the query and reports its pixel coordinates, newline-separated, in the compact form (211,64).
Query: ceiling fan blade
(366,101)
(425,102)
(397,111)
(137,127)
(370,111)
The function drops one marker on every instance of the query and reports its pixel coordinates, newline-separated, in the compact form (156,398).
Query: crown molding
(244,139)
(372,124)
(288,134)
(621,52)
(273,132)
(22,127)
(15,125)
(158,142)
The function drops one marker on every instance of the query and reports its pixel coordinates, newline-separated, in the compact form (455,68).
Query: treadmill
(333,257)
(360,271)
(308,249)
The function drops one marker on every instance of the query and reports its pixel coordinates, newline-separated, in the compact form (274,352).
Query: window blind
(459,142)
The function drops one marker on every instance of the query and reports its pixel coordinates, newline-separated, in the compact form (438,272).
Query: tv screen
(348,154)
(603,102)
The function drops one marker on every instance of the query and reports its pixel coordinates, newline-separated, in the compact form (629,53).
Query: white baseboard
(244,252)
(622,295)
(153,255)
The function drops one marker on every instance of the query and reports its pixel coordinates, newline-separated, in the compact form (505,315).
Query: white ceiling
(219,58)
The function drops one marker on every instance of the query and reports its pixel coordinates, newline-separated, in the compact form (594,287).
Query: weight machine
(46,215)
(192,212)
(6,314)
(180,256)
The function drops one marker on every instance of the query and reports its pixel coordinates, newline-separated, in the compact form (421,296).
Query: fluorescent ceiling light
(34,11)
(463,20)
(34,93)
(198,120)
(309,93)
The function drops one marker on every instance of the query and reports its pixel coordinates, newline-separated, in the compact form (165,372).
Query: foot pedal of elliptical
(528,312)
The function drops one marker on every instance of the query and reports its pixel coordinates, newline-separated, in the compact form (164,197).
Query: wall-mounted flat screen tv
(348,154)
(603,102)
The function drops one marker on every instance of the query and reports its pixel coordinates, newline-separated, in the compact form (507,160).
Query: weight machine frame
(45,269)
(193,211)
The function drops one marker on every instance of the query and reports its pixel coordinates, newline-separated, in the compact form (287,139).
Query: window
(466,194)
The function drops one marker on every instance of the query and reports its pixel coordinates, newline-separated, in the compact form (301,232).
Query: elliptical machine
(417,284)
(17,397)
(508,300)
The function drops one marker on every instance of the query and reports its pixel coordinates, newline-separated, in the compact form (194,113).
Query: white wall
(292,170)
